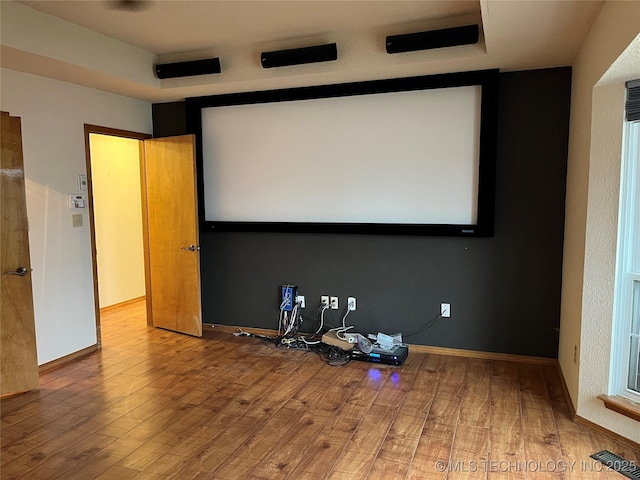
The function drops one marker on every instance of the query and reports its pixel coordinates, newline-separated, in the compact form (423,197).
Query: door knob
(191,248)
(20,271)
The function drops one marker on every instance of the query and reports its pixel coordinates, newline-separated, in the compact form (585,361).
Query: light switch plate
(82,181)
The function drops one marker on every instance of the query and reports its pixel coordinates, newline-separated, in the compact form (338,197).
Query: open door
(18,356)
(172,234)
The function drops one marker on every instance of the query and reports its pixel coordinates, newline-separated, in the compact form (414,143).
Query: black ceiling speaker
(448,37)
(130,5)
(188,69)
(298,56)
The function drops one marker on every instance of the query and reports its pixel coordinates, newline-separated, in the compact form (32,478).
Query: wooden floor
(156,405)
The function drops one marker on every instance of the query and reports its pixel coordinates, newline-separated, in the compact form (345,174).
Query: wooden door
(172,234)
(18,357)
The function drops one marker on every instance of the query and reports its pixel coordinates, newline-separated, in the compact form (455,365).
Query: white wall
(49,38)
(591,215)
(117,212)
(53,116)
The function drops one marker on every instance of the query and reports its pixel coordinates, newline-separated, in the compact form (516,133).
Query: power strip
(331,338)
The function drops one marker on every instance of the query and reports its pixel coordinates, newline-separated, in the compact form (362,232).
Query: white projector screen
(404,153)
(401,157)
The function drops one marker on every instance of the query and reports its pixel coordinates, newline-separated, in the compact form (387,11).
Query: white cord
(340,331)
(282,305)
(294,314)
(283,321)
(345,317)
(289,325)
(324,307)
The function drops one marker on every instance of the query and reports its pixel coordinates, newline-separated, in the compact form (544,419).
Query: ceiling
(167,27)
(94,44)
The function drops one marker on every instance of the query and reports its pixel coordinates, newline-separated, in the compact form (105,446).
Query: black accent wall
(504,291)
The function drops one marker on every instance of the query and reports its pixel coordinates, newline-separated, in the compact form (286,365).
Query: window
(626,347)
(633,375)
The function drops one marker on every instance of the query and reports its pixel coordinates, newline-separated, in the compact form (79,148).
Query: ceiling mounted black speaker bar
(299,56)
(188,69)
(448,37)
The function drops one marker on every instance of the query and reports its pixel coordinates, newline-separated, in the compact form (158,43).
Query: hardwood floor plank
(388,469)
(372,431)
(506,439)
(402,439)
(432,458)
(280,463)
(69,453)
(345,429)
(471,451)
(505,404)
(320,457)
(118,472)
(153,404)
(541,437)
(435,445)
(506,455)
(475,406)
(98,464)
(25,444)
(352,465)
(257,446)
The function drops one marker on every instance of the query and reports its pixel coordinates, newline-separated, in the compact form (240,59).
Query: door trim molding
(114,132)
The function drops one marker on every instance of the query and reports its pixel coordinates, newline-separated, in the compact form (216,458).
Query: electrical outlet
(300,300)
(334,303)
(445,310)
(324,300)
(351,303)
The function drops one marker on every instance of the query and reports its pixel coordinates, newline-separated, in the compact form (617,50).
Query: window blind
(632,105)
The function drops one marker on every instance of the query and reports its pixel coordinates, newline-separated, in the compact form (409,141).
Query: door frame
(114,132)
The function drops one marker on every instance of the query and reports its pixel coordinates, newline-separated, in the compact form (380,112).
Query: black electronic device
(447,37)
(298,56)
(395,356)
(188,69)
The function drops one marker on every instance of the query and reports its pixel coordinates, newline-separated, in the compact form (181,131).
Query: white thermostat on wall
(76,200)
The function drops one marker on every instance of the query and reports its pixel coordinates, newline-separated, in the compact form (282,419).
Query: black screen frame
(484,226)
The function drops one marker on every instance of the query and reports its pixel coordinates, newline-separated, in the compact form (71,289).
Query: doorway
(116,216)
(171,254)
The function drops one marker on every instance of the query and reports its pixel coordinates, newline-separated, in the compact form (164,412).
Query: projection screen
(405,158)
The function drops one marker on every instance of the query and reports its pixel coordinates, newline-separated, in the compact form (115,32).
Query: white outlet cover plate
(351,302)
(333,301)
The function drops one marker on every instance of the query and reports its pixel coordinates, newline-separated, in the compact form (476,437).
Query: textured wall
(592,203)
(504,291)
(53,116)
